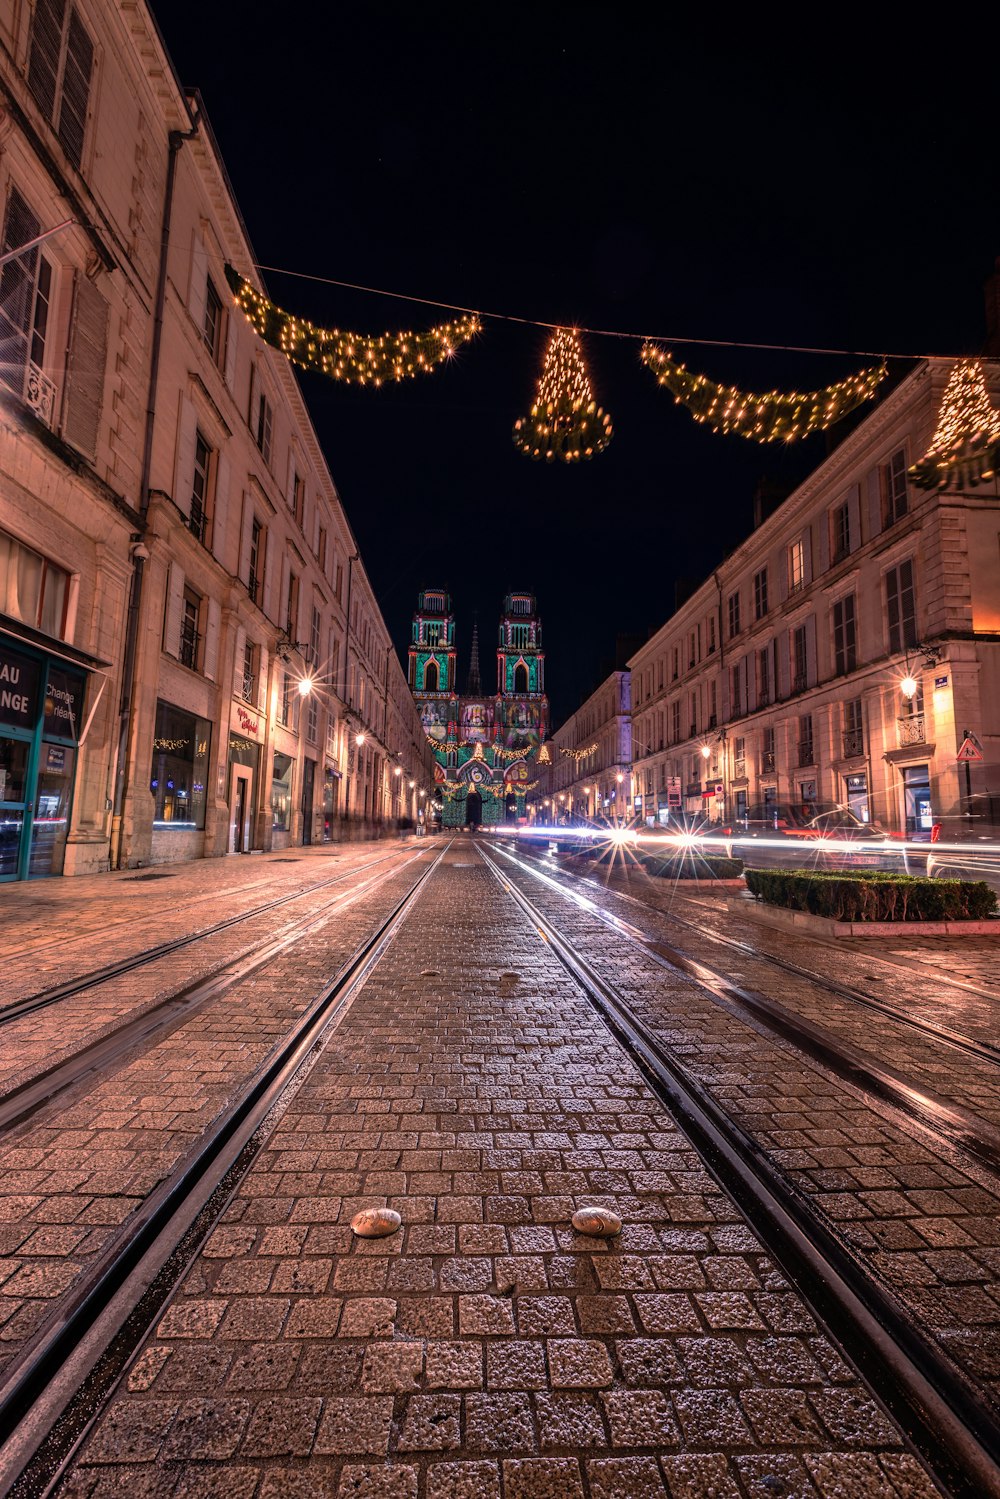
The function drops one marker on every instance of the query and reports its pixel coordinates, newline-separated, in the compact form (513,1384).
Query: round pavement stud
(599,1223)
(375,1223)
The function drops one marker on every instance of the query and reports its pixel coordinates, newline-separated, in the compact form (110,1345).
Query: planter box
(826,926)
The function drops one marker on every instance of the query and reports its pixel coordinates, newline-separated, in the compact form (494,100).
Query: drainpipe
(127,705)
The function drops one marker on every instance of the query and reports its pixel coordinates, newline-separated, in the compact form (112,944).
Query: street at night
(499,755)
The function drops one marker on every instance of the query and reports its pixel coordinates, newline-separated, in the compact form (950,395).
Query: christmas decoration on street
(580,754)
(565,421)
(965,448)
(778,416)
(358,358)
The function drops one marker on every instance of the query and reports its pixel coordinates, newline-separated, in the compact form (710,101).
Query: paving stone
(463,1480)
(625,1478)
(353,1425)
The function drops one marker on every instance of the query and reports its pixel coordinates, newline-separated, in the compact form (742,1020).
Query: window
(314,637)
(298,498)
(190,638)
(734,614)
(281,793)
(845,643)
(292,612)
(767,753)
(796,566)
(262,422)
(25,299)
(431,677)
(520,677)
(901,608)
(60,64)
(760,594)
(806,753)
(892,482)
(711,634)
(212,328)
(312,719)
(32,589)
(692,649)
(713,704)
(285,700)
(179,772)
(675,722)
(736,689)
(675,662)
(739,757)
(800,659)
(764,676)
(249,693)
(198,519)
(840,532)
(854,738)
(255,577)
(321,549)
(694,715)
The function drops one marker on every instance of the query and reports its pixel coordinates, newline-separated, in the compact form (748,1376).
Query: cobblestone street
(486,1348)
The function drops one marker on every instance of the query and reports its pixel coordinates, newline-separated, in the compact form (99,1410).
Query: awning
(18,630)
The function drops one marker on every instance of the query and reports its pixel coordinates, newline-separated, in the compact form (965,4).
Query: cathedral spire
(473,686)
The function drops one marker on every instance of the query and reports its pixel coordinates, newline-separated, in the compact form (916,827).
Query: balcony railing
(806,753)
(854,743)
(248,693)
(189,647)
(912,729)
(197,520)
(253,587)
(40,394)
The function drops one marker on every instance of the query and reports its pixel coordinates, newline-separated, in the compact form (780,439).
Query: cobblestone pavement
(924,1220)
(72,1175)
(485,1348)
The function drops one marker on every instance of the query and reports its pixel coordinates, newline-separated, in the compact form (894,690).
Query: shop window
(60,65)
(281,793)
(179,773)
(32,589)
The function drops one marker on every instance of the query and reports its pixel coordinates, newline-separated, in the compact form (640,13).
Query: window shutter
(232,328)
(262,680)
(854,513)
(780,570)
(220,514)
(271,579)
(75,89)
(85,363)
(175,605)
(241,643)
(212,624)
(187,432)
(290,481)
(750,677)
(822,543)
(782,665)
(874,488)
(43,59)
(17,288)
(244,562)
(252,413)
(198,284)
(812,669)
(807,556)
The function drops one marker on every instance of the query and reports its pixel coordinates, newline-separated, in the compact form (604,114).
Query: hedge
(693,866)
(874,895)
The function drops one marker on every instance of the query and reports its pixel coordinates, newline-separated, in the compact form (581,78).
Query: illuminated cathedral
(487,745)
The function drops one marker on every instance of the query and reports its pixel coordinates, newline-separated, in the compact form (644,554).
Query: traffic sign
(970,749)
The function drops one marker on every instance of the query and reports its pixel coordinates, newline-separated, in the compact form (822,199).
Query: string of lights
(361,359)
(565,421)
(580,754)
(965,448)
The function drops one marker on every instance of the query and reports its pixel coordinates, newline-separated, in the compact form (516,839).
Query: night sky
(579,164)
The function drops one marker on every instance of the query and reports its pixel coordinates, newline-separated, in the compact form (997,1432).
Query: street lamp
(359,740)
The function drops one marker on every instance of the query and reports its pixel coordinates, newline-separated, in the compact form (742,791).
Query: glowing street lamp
(359,739)
(909,687)
(306,686)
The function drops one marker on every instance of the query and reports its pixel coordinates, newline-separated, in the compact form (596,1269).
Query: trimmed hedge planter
(875,896)
(707,867)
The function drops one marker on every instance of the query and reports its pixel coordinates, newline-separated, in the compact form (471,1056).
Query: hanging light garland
(965,448)
(565,422)
(580,754)
(358,358)
(778,416)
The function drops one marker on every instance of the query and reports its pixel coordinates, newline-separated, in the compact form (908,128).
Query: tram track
(967,1130)
(51,1393)
(31,1004)
(942,1410)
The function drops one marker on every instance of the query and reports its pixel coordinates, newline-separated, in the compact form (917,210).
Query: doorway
(474,809)
(917,801)
(308,782)
(239,831)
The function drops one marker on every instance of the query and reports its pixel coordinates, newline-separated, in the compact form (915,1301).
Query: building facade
(841,653)
(486,745)
(588,774)
(193,656)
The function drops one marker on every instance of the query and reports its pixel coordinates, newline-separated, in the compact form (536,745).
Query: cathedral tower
(432,643)
(521,670)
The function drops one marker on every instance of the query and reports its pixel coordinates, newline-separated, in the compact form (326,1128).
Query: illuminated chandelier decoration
(565,421)
(965,447)
(580,754)
(358,358)
(777,416)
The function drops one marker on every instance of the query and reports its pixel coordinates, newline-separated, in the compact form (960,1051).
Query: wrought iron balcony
(40,394)
(197,520)
(189,646)
(253,587)
(911,730)
(248,693)
(854,743)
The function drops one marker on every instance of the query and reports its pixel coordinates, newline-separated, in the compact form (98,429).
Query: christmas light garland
(565,421)
(580,754)
(965,448)
(359,358)
(778,416)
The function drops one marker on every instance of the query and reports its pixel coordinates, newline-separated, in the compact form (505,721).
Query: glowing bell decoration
(565,422)
(965,448)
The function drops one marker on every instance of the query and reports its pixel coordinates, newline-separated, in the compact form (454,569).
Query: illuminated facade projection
(486,744)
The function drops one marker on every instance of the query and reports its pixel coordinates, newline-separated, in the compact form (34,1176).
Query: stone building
(842,652)
(588,774)
(194,659)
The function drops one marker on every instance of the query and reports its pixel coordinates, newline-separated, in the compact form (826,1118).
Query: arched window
(520,677)
(431,677)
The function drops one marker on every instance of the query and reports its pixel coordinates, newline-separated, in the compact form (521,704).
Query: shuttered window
(845,641)
(17,290)
(901,607)
(85,367)
(60,68)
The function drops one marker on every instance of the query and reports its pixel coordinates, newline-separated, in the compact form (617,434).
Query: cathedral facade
(487,745)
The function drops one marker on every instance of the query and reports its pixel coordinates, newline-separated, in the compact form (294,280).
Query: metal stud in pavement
(599,1223)
(375,1223)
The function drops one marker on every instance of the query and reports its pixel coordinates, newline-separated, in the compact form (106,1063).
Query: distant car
(965,842)
(808,834)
